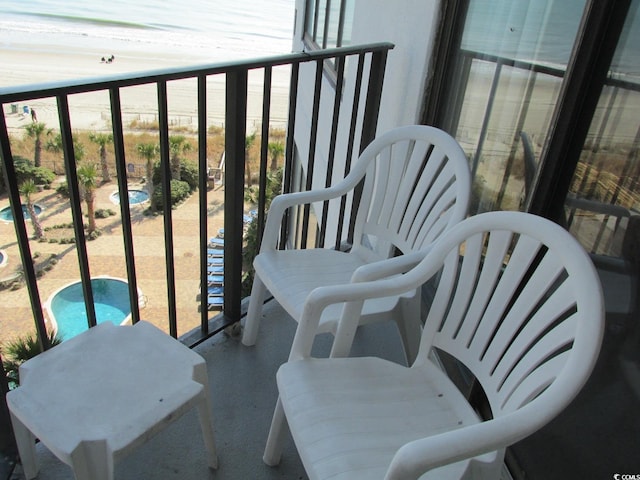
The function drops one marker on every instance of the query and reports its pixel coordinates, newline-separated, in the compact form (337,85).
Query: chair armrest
(282,202)
(354,295)
(389,266)
(287,200)
(414,459)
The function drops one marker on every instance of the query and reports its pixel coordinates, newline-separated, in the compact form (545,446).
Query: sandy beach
(91,112)
(21,66)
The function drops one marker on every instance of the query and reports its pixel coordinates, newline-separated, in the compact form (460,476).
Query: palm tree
(27,189)
(149,151)
(88,180)
(249,141)
(36,130)
(55,145)
(177,144)
(22,349)
(102,139)
(276,150)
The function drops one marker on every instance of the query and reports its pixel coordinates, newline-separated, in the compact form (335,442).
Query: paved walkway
(106,257)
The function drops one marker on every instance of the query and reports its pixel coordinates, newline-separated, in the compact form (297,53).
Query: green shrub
(189,174)
(179,191)
(26,171)
(104,213)
(19,351)
(43,176)
(23,168)
(63,189)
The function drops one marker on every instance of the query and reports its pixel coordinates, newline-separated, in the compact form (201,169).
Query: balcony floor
(244,393)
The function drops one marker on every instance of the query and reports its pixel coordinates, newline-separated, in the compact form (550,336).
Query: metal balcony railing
(367,64)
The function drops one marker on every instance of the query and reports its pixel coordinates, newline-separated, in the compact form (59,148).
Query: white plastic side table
(97,396)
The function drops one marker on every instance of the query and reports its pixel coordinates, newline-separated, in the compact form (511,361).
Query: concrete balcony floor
(244,394)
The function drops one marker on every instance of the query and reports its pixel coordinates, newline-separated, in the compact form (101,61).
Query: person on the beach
(34,117)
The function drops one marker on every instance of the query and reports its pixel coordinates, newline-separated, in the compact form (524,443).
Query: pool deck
(106,257)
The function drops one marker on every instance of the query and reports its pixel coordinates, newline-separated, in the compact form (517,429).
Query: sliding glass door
(544,96)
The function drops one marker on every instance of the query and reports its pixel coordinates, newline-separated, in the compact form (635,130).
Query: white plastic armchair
(417,185)
(518,302)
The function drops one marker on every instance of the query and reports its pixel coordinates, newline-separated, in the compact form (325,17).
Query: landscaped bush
(43,176)
(18,351)
(26,171)
(179,191)
(189,174)
(63,189)
(104,213)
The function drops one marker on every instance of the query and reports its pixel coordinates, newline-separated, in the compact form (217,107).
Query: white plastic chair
(417,185)
(518,303)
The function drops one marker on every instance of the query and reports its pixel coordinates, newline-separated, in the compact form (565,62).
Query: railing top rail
(612,80)
(84,85)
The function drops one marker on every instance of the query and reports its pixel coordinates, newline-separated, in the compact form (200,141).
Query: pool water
(7,216)
(111,299)
(135,197)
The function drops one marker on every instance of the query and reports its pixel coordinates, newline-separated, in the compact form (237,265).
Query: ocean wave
(105,22)
(157,38)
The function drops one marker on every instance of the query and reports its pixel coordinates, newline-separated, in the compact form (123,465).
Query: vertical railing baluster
(287,180)
(515,141)
(486,119)
(235,151)
(76,210)
(125,209)
(264,150)
(28,268)
(369,120)
(202,203)
(350,144)
(165,169)
(337,100)
(313,138)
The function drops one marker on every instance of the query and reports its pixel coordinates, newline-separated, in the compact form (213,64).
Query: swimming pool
(3,258)
(7,216)
(135,197)
(66,308)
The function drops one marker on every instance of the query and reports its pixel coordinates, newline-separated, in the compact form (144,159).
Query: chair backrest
(417,185)
(519,303)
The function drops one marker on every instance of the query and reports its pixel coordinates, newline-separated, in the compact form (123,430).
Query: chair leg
(252,321)
(273,448)
(26,442)
(410,326)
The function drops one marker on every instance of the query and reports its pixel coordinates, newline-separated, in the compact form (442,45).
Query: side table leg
(207,432)
(92,460)
(204,412)
(26,442)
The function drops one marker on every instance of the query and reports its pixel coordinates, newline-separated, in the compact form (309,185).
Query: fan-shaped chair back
(412,190)
(519,303)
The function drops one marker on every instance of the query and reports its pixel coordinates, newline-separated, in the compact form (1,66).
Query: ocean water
(213,29)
